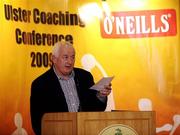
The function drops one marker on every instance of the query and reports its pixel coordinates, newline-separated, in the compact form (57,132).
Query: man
(64,88)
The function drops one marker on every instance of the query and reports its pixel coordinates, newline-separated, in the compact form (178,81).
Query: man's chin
(68,71)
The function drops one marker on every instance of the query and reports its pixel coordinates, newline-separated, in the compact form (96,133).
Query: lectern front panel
(59,124)
(99,123)
(92,123)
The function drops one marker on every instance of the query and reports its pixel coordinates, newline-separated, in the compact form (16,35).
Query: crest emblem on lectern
(118,129)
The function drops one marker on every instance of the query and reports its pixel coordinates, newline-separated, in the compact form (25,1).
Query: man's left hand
(106,91)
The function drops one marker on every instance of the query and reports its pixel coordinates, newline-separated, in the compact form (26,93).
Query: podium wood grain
(92,123)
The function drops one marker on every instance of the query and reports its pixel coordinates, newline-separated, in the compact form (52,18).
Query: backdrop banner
(136,41)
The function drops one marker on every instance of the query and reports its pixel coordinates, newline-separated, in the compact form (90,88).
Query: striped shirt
(70,92)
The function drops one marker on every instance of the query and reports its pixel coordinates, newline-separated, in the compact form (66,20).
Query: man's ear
(53,59)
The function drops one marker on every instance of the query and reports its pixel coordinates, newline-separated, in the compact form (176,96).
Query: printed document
(101,83)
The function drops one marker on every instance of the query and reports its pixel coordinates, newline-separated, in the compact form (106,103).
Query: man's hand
(106,91)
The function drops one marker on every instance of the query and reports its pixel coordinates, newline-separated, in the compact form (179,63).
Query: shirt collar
(60,77)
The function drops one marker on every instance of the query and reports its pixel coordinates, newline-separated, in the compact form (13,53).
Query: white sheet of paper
(100,84)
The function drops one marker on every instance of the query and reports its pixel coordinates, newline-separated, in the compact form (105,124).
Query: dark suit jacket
(47,96)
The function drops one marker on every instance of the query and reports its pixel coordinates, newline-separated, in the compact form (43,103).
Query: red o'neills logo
(137,24)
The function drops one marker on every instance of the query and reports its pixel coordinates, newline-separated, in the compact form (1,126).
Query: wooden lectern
(92,123)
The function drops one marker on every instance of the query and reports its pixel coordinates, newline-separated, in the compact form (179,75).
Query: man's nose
(70,60)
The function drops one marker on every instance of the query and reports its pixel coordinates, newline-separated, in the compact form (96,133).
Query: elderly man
(64,88)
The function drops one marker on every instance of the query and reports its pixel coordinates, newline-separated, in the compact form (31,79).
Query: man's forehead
(67,51)
(66,47)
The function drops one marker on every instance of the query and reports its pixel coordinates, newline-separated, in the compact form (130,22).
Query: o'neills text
(135,24)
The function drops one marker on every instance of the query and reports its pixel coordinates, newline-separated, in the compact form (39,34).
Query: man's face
(64,63)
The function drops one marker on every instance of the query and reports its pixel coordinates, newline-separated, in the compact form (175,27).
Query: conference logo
(118,129)
(138,24)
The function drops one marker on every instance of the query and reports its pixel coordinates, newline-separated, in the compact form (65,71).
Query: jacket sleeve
(36,108)
(88,97)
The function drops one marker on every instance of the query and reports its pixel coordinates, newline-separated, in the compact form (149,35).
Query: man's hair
(58,45)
